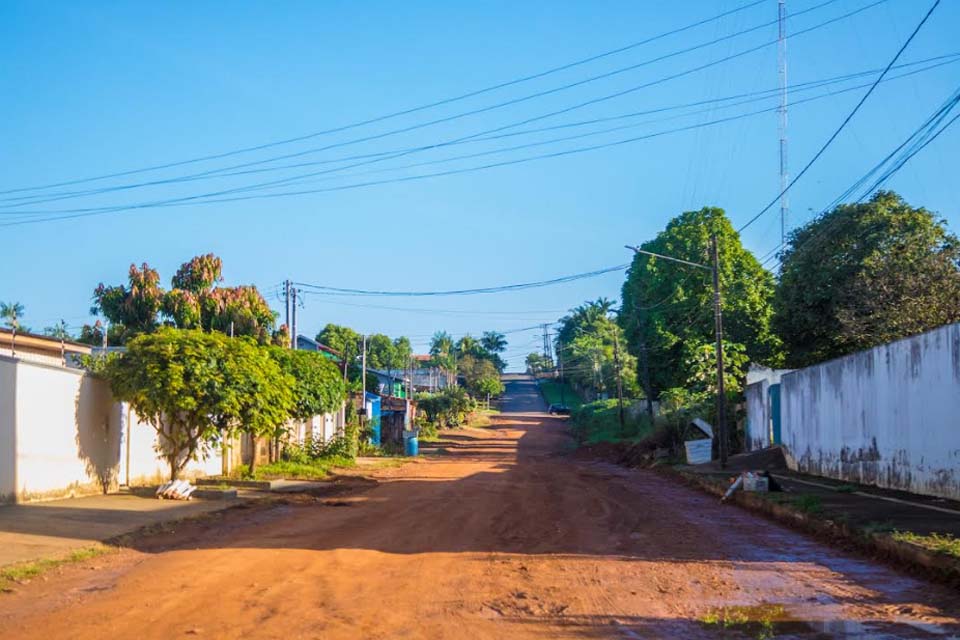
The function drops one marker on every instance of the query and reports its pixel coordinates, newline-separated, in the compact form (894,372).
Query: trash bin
(411,442)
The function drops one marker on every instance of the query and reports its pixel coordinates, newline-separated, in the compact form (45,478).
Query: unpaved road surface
(495,533)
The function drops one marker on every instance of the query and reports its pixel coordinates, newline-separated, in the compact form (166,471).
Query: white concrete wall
(757,430)
(888,416)
(62,434)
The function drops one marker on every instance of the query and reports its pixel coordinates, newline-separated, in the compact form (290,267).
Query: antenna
(782,115)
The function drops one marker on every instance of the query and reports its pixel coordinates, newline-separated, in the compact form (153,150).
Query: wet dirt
(493,533)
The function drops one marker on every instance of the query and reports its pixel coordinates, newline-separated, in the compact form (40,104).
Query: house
(63,434)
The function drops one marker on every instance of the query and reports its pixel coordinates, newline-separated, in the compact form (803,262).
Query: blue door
(773,393)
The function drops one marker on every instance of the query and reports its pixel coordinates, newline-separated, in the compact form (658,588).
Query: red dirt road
(498,534)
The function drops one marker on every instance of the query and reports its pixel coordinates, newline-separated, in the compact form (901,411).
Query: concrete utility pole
(293,309)
(286,300)
(714,268)
(560,360)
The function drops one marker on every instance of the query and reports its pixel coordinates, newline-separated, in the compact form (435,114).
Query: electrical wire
(403,112)
(846,120)
(73,213)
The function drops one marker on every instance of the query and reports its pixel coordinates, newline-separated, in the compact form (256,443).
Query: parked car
(558,410)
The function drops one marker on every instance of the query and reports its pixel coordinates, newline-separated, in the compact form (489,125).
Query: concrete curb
(938,566)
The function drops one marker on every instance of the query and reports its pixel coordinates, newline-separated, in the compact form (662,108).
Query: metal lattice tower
(782,115)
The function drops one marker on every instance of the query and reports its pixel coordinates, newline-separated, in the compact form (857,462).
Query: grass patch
(600,422)
(759,621)
(552,392)
(807,503)
(845,488)
(877,527)
(25,571)
(315,469)
(941,543)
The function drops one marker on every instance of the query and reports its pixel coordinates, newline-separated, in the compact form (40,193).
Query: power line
(480,137)
(847,119)
(194,198)
(320,289)
(402,112)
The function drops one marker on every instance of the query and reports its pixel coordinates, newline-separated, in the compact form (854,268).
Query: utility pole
(714,268)
(546,342)
(560,360)
(645,364)
(718,322)
(286,299)
(616,362)
(782,115)
(363,372)
(231,328)
(293,310)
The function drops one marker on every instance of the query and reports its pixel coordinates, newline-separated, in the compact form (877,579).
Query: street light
(714,268)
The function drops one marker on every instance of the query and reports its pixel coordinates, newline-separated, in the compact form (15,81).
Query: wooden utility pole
(616,362)
(645,365)
(714,268)
(718,322)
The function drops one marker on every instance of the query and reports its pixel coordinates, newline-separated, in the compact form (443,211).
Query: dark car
(558,410)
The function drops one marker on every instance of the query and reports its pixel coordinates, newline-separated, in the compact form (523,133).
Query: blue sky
(100,88)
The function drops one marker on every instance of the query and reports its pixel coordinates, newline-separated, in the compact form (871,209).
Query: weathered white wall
(757,430)
(62,434)
(888,416)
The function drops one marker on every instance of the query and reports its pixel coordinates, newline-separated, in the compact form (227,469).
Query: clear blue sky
(99,88)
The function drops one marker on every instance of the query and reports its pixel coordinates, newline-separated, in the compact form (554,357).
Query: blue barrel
(411,443)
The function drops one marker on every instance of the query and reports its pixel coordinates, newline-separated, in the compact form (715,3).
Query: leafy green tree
(133,308)
(402,352)
(194,302)
(490,386)
(865,274)
(318,387)
(194,388)
(442,351)
(701,361)
(343,339)
(667,307)
(381,352)
(589,340)
(538,363)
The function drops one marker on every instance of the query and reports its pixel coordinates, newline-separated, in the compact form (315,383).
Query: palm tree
(493,341)
(11,312)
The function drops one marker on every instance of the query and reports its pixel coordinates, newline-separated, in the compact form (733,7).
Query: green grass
(809,504)
(551,393)
(316,469)
(25,571)
(758,621)
(941,543)
(600,422)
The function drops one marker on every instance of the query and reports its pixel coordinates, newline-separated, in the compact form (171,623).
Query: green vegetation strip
(552,394)
(941,543)
(22,572)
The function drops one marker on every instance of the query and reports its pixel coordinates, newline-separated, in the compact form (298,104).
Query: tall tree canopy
(865,274)
(194,302)
(668,307)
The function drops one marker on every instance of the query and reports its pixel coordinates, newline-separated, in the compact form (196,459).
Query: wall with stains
(889,416)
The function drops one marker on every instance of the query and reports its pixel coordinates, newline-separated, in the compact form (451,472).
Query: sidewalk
(50,529)
(909,528)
